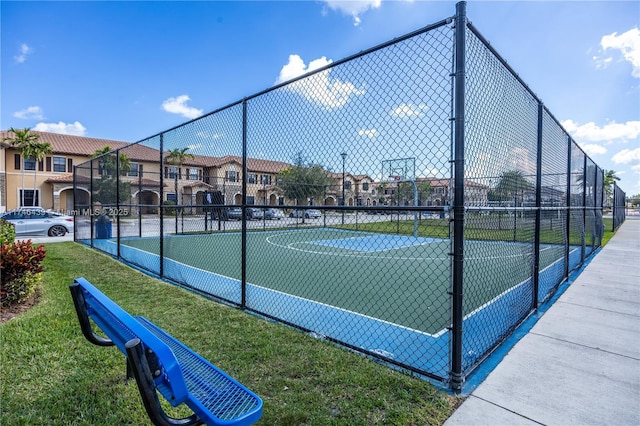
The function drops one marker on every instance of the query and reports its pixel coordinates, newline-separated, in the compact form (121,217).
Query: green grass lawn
(550,232)
(50,375)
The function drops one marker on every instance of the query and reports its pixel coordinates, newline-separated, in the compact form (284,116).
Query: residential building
(185,183)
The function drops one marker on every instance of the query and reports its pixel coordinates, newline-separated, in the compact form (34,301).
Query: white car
(37,221)
(273,214)
(309,213)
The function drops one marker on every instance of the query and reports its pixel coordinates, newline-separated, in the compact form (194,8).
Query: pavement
(41,239)
(580,363)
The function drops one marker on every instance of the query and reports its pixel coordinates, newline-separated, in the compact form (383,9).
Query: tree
(511,184)
(107,163)
(609,180)
(37,151)
(303,181)
(177,157)
(406,191)
(22,139)
(106,188)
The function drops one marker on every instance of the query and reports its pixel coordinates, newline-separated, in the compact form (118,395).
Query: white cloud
(178,105)
(593,149)
(628,44)
(353,8)
(32,112)
(430,172)
(23,52)
(408,110)
(370,133)
(591,132)
(626,156)
(75,128)
(320,87)
(207,135)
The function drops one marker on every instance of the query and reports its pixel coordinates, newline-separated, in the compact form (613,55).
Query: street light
(344,157)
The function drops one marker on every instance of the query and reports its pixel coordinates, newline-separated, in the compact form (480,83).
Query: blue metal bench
(161,363)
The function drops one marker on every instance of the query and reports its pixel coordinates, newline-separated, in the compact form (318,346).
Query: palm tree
(107,161)
(177,157)
(22,139)
(609,180)
(37,151)
(106,188)
(510,184)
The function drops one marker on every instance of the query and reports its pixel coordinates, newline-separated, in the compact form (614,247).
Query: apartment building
(49,183)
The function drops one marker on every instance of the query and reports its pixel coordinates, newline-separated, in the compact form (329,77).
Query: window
(231,175)
(251,178)
(133,171)
(29,164)
(365,186)
(347,184)
(173,172)
(172,197)
(193,174)
(59,164)
(29,195)
(251,200)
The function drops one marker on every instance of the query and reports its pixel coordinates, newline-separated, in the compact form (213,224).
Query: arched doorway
(149,202)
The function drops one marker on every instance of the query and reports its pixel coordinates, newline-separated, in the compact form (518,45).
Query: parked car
(308,214)
(271,214)
(254,213)
(38,221)
(234,213)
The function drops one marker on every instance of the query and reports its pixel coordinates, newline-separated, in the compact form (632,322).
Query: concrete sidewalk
(580,363)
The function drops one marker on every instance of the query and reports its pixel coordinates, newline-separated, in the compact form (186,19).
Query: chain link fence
(360,201)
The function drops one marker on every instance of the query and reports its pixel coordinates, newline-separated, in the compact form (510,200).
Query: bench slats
(216,391)
(214,396)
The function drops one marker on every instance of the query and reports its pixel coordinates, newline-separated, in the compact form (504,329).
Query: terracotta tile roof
(68,178)
(86,146)
(70,144)
(197,160)
(360,177)
(197,183)
(253,164)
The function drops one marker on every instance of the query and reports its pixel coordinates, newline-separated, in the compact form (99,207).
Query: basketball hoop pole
(403,170)
(399,180)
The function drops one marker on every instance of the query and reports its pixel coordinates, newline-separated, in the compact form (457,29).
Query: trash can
(103,227)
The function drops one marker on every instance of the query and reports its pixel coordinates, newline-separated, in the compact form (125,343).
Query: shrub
(169,210)
(18,290)
(7,232)
(20,267)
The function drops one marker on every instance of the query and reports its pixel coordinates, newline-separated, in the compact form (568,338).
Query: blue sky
(128,70)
